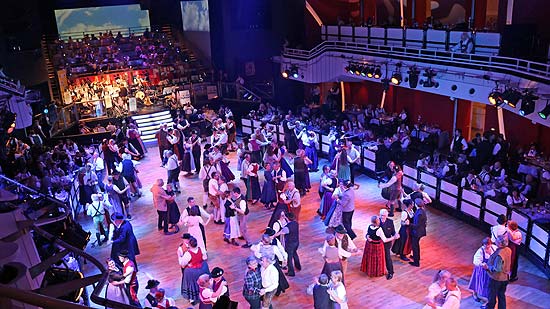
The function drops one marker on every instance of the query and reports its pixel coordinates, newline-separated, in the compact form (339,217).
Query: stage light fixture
(527,107)
(545,112)
(294,71)
(377,72)
(511,97)
(495,98)
(396,77)
(429,81)
(364,71)
(370,71)
(413,77)
(285,73)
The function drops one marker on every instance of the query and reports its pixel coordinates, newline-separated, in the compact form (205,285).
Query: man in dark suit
(292,241)
(418,230)
(123,239)
(389,231)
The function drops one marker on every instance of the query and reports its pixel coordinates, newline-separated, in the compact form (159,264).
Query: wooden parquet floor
(450,245)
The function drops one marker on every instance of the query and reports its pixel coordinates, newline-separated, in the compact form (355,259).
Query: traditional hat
(269,231)
(216,272)
(123,253)
(152,284)
(340,229)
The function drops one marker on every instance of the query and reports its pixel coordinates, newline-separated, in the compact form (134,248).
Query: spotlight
(511,97)
(527,107)
(364,71)
(347,69)
(396,78)
(285,73)
(294,71)
(351,68)
(377,72)
(413,77)
(370,72)
(8,123)
(545,111)
(495,98)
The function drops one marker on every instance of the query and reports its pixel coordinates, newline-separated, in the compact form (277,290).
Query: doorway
(477,119)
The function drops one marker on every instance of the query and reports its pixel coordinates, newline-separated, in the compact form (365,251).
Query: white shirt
(172,162)
(353,155)
(270,278)
(478,257)
(496,231)
(515,236)
(452,301)
(186,257)
(213,187)
(341,293)
(98,163)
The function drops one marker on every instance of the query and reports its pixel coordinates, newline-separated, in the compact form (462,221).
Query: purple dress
(284,164)
(479,283)
(269,193)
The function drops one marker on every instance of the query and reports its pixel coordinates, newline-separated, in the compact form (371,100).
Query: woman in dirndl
(402,246)
(334,215)
(269,192)
(479,282)
(329,183)
(188,162)
(330,254)
(374,263)
(194,261)
(254,193)
(281,150)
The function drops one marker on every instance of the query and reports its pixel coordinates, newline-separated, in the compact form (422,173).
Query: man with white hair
(389,231)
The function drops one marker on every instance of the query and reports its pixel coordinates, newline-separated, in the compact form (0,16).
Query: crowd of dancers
(274,258)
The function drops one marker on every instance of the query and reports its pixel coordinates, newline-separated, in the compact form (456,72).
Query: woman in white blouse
(479,282)
(437,289)
(337,290)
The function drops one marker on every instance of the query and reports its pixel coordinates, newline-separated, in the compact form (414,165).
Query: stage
(450,244)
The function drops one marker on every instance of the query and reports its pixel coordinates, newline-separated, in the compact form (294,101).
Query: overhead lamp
(364,71)
(285,73)
(377,72)
(495,98)
(527,107)
(545,111)
(511,97)
(294,71)
(396,77)
(370,71)
(429,81)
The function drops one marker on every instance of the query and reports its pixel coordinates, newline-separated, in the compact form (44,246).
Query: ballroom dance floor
(450,244)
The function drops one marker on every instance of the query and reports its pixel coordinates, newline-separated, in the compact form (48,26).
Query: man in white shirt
(242,214)
(270,280)
(279,176)
(346,246)
(459,144)
(98,166)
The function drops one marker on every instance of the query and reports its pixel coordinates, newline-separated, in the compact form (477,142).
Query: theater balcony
(427,60)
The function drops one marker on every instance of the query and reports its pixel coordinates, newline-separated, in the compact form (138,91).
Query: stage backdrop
(74,22)
(196,25)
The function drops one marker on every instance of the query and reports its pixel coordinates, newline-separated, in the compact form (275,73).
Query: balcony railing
(518,67)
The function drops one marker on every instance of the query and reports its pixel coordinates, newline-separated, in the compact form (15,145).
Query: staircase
(53,83)
(149,124)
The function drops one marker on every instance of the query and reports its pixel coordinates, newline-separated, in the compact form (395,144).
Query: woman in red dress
(373,262)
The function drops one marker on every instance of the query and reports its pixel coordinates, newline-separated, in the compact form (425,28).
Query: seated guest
(516,199)
(470,181)
(527,189)
(497,172)
(484,176)
(496,191)
(532,151)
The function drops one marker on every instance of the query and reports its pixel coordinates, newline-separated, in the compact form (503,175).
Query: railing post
(447,39)
(352,33)
(339,33)
(368,34)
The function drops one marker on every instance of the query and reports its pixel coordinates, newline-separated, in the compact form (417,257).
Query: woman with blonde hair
(207,295)
(514,241)
(437,290)
(337,290)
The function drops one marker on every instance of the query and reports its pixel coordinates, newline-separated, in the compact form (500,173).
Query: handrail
(127,31)
(495,63)
(30,297)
